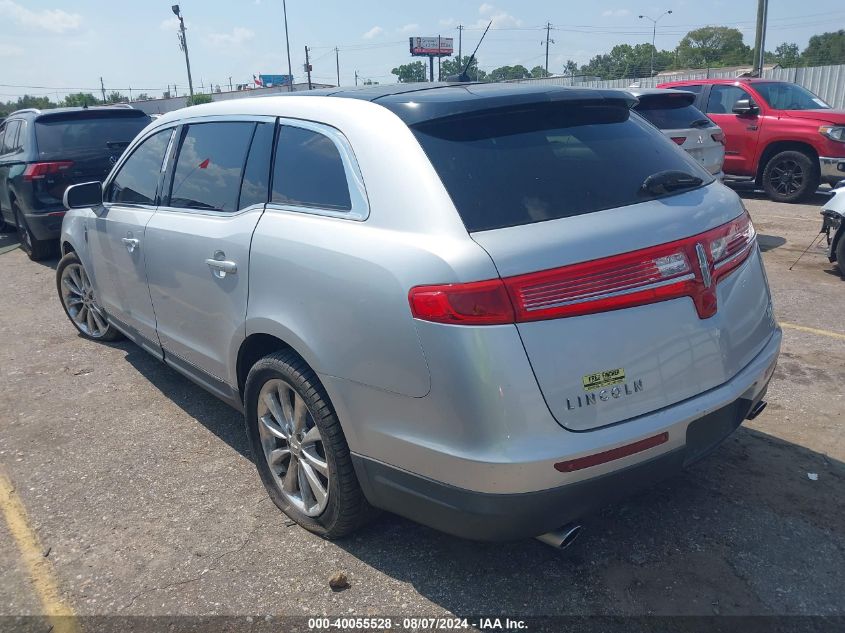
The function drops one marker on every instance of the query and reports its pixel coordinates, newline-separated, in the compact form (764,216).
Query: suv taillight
(719,137)
(34,171)
(649,275)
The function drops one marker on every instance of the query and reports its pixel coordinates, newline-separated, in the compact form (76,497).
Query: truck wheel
(790,176)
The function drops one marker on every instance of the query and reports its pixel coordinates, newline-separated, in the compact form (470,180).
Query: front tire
(36,249)
(791,177)
(77,297)
(299,448)
(840,255)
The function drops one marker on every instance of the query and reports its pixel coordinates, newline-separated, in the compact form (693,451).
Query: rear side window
(210,165)
(10,139)
(57,135)
(546,161)
(309,171)
(137,180)
(671,114)
(256,182)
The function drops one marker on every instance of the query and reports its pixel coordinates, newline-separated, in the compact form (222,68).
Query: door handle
(222,267)
(131,243)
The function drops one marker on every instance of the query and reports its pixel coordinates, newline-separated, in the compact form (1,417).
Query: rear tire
(76,295)
(791,176)
(840,255)
(290,384)
(36,249)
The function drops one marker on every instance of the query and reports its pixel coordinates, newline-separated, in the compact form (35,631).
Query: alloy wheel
(78,297)
(787,177)
(293,447)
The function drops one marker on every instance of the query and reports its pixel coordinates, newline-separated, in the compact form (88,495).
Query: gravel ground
(143,488)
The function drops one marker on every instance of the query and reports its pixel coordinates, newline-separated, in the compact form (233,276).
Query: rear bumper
(500,517)
(832,169)
(45,226)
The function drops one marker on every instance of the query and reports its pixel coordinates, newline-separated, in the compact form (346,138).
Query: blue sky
(67,46)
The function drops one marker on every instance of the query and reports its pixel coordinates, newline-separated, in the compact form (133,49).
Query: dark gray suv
(42,153)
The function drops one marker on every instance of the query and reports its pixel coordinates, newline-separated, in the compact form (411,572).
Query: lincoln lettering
(604,395)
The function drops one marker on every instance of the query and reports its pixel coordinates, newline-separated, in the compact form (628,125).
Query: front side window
(309,171)
(786,96)
(210,165)
(722,98)
(137,180)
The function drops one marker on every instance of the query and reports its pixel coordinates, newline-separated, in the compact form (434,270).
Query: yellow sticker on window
(603,379)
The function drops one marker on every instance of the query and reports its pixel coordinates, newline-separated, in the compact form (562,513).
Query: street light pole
(287,44)
(654,35)
(184,42)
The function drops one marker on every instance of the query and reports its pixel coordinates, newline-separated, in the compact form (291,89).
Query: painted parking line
(812,330)
(41,572)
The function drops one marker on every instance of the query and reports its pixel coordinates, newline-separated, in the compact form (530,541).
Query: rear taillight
(34,171)
(719,137)
(680,140)
(690,267)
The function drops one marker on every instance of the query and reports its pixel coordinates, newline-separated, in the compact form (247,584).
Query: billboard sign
(268,81)
(432,46)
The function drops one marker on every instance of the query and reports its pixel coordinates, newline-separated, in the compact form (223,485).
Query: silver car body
(458,427)
(700,143)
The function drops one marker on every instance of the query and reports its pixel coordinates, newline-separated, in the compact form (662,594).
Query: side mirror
(84,195)
(745,106)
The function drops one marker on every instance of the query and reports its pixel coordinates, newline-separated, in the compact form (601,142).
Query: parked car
(833,214)
(673,113)
(427,299)
(778,134)
(44,152)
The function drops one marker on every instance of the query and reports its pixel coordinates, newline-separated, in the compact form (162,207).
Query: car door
(8,159)
(741,130)
(198,244)
(116,239)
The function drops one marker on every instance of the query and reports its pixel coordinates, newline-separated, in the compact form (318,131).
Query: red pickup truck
(777,133)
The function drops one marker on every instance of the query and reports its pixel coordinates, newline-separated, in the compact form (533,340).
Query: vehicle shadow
(769,242)
(746,530)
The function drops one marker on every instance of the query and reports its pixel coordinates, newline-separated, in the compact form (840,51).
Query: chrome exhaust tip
(562,537)
(756,410)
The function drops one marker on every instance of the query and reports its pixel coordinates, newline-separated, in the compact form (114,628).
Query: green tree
(504,73)
(79,99)
(826,49)
(787,54)
(713,46)
(116,97)
(626,61)
(197,99)
(142,97)
(29,101)
(454,66)
(409,73)
(539,71)
(570,68)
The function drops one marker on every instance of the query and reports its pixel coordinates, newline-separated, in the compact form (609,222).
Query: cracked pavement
(142,486)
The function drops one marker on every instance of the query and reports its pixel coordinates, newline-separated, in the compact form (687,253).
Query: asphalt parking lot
(141,491)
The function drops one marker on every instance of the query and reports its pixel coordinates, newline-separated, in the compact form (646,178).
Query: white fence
(828,82)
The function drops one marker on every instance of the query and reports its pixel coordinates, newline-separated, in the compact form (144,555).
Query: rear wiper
(664,182)
(700,123)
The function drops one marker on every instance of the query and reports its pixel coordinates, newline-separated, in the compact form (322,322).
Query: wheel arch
(255,347)
(776,147)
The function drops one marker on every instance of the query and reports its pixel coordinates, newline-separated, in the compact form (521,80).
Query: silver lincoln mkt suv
(488,308)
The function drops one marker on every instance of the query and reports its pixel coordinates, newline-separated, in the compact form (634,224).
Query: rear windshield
(671,114)
(55,135)
(546,161)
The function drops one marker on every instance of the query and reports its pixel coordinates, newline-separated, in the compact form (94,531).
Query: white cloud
(373,32)
(238,36)
(54,20)
(408,28)
(10,50)
(615,13)
(448,22)
(501,19)
(170,24)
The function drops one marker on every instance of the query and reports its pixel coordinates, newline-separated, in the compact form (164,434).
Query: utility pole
(230,83)
(103,89)
(548,29)
(337,63)
(308,68)
(431,67)
(460,33)
(654,35)
(356,77)
(287,45)
(439,72)
(760,37)
(183,44)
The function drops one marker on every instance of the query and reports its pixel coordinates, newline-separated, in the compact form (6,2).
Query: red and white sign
(437,46)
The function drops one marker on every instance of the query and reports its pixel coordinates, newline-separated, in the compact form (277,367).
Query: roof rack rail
(33,110)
